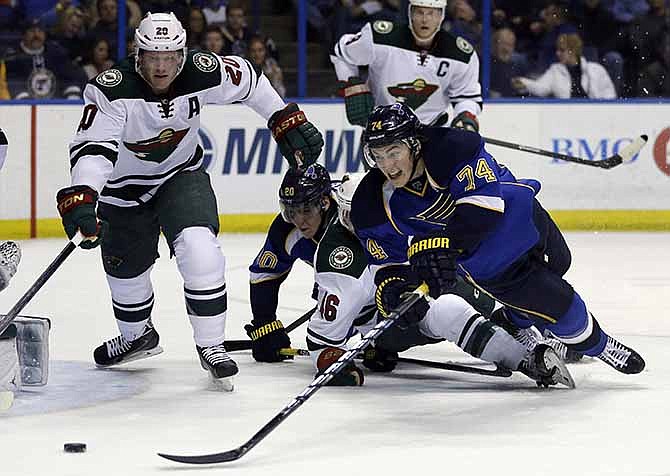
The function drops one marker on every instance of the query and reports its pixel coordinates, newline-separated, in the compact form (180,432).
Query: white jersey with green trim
(131,141)
(429,81)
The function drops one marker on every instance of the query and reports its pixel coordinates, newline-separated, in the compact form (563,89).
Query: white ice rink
(415,421)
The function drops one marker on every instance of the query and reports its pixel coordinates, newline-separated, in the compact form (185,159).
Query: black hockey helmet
(303,190)
(388,124)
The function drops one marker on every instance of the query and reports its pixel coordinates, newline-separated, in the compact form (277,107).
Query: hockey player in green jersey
(417,64)
(135,160)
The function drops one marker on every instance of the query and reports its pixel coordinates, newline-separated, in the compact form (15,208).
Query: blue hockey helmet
(389,124)
(302,191)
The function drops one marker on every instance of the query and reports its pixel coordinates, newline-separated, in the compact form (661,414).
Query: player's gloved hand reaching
(434,262)
(358,100)
(466,120)
(392,284)
(267,340)
(298,140)
(379,360)
(350,376)
(76,206)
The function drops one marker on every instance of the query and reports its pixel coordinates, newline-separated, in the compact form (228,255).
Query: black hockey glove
(393,282)
(298,140)
(76,206)
(466,120)
(434,263)
(379,360)
(267,340)
(358,100)
(350,376)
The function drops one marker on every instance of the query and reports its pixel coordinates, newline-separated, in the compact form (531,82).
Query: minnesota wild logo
(159,148)
(413,94)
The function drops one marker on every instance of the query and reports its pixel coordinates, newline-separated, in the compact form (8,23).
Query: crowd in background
(50,48)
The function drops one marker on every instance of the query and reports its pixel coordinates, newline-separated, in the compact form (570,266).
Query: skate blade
(6,400)
(562,374)
(224,384)
(139,356)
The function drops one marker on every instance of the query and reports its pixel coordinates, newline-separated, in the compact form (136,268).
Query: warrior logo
(413,94)
(159,148)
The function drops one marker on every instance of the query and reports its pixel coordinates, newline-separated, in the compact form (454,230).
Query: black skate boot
(120,351)
(621,357)
(221,367)
(545,367)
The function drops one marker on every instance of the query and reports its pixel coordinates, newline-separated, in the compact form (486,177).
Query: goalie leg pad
(32,345)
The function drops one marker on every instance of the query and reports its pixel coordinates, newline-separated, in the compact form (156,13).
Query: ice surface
(415,421)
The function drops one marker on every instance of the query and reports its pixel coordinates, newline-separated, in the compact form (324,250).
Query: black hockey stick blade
(497,372)
(245,344)
(319,382)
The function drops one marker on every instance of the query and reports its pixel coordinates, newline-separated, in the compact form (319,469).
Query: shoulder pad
(340,252)
(453,47)
(279,231)
(445,148)
(202,70)
(392,34)
(367,204)
(120,82)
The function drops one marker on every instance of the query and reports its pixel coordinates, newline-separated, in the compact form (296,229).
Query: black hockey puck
(74,447)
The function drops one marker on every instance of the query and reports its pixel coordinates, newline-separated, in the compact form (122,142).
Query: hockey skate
(545,367)
(529,337)
(621,357)
(220,366)
(568,355)
(120,351)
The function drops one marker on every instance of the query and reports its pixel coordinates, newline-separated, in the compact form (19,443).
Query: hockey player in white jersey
(428,69)
(136,158)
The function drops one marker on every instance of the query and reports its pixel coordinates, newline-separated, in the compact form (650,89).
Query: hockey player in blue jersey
(316,229)
(437,198)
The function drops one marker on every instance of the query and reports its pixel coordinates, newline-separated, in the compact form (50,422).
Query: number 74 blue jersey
(464,194)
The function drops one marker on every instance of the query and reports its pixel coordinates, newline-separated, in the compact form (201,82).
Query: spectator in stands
(553,22)
(655,79)
(238,34)
(215,12)
(195,28)
(259,56)
(506,64)
(38,68)
(214,40)
(625,11)
(645,34)
(599,31)
(100,59)
(106,27)
(463,21)
(572,77)
(70,33)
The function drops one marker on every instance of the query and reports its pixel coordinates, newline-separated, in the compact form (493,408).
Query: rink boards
(246,167)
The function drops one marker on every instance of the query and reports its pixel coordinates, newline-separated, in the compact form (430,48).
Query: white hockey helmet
(160,32)
(441,4)
(343,195)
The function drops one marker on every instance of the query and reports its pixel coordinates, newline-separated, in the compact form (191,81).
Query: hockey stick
(626,154)
(245,344)
(6,320)
(310,390)
(497,372)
